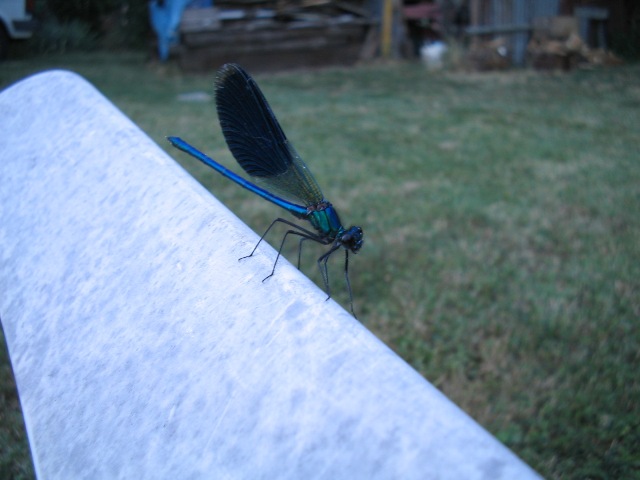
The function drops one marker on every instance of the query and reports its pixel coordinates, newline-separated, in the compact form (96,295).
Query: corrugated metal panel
(512,19)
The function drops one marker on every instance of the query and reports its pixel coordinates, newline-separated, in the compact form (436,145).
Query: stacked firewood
(556,45)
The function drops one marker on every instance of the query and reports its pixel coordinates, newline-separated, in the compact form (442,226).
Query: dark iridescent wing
(256,139)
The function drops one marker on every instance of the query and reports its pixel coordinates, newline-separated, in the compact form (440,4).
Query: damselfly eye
(352,239)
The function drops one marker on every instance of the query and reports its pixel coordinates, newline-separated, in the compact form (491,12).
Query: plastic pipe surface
(142,348)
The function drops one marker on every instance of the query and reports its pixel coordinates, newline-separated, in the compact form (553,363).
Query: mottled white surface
(143,348)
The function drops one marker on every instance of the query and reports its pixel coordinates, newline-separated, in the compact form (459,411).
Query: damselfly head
(352,239)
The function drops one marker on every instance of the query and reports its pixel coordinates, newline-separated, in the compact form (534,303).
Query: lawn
(502,222)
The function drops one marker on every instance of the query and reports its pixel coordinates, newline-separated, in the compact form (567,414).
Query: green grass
(502,224)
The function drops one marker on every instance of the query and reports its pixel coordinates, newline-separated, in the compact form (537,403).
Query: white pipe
(142,348)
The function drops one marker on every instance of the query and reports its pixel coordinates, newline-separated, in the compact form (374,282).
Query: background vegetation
(502,222)
(71,26)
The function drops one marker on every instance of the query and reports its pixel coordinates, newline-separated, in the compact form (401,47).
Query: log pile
(488,55)
(556,45)
(273,35)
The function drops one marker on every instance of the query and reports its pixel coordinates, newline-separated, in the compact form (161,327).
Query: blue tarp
(165,17)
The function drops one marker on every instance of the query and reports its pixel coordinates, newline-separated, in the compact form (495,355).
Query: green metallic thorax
(325,220)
